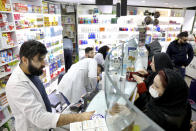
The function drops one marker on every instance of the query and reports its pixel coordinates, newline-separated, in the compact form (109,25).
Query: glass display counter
(120,90)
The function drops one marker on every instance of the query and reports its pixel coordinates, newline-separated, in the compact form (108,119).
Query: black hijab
(175,94)
(173,102)
(153,48)
(161,61)
(103,50)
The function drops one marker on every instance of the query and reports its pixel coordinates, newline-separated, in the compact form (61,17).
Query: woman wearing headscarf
(153,49)
(101,55)
(168,104)
(159,61)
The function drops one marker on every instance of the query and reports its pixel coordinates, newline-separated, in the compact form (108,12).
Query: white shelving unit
(5,46)
(2,91)
(52,38)
(8,47)
(4,106)
(69,27)
(107,33)
(9,62)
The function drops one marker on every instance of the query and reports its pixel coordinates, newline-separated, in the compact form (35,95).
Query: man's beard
(35,71)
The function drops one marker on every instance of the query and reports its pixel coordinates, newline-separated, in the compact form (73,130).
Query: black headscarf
(103,50)
(173,102)
(153,48)
(161,61)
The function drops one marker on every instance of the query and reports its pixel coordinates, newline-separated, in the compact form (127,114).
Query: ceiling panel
(157,3)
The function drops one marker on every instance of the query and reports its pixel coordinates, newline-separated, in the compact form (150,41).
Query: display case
(121,61)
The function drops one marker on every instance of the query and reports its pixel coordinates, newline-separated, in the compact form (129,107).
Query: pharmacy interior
(125,26)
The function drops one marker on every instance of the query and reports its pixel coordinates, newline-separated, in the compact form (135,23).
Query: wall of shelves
(105,27)
(22,21)
(8,54)
(69,27)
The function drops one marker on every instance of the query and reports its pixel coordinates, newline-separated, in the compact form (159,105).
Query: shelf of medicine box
(9,47)
(27,13)
(173,31)
(1,64)
(2,90)
(50,15)
(57,53)
(7,73)
(57,72)
(4,106)
(54,46)
(5,12)
(68,23)
(7,31)
(5,120)
(29,28)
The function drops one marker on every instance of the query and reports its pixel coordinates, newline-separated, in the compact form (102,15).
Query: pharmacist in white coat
(80,79)
(27,96)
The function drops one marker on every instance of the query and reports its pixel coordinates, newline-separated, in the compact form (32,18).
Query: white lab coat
(99,58)
(80,79)
(27,104)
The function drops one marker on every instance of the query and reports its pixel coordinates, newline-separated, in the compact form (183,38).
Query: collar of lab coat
(22,75)
(23,78)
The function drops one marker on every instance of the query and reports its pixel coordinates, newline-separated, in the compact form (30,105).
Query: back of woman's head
(176,89)
(161,61)
(103,50)
(153,48)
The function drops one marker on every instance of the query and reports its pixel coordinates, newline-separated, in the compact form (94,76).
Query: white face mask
(154,93)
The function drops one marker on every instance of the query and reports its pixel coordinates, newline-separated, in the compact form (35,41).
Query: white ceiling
(157,3)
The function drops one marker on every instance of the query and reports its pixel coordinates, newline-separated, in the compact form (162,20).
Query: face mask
(154,93)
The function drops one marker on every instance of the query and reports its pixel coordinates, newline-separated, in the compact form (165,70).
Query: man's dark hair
(65,37)
(31,48)
(99,65)
(88,49)
(183,34)
(103,50)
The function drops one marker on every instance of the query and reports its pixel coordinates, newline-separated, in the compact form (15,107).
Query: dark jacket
(178,53)
(171,110)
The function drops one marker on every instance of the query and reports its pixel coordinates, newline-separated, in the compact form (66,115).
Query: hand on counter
(87,115)
(143,72)
(65,119)
(117,108)
(138,79)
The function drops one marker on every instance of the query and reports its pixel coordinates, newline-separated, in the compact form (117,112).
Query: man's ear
(25,60)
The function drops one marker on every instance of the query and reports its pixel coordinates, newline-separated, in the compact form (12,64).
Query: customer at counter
(27,97)
(167,103)
(159,61)
(152,48)
(81,78)
(101,55)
